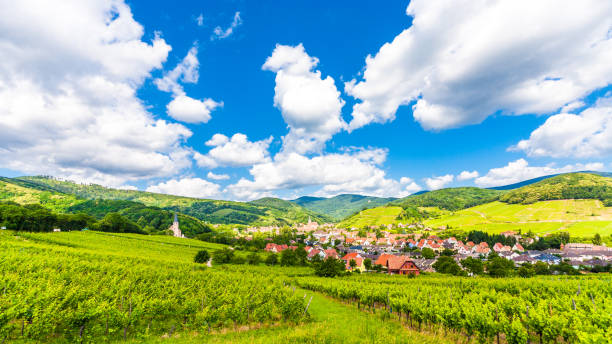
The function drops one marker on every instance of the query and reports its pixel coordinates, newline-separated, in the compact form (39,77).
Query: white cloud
(572,106)
(438,182)
(409,185)
(466,175)
(219,33)
(235,152)
(310,105)
(200,20)
(354,171)
(68,82)
(188,187)
(187,109)
(182,107)
(519,170)
(462,61)
(214,176)
(588,134)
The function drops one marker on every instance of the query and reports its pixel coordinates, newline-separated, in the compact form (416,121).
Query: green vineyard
(51,291)
(548,310)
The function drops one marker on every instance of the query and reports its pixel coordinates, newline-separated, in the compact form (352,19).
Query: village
(414,253)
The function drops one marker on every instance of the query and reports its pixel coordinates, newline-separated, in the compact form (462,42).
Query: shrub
(202,257)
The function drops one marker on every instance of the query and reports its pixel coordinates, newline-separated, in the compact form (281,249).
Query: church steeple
(175,218)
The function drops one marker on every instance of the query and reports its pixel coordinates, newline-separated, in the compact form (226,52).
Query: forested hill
(341,206)
(564,186)
(450,198)
(291,210)
(60,195)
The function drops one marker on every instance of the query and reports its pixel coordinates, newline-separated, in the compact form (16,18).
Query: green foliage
(367,263)
(447,265)
(271,260)
(253,259)
(450,198)
(428,253)
(223,256)
(526,270)
(500,267)
(114,222)
(565,186)
(202,257)
(329,267)
(597,239)
(341,206)
(473,265)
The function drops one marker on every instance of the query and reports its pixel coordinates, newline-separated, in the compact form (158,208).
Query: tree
(473,265)
(526,270)
(428,253)
(352,264)
(288,258)
(253,259)
(330,267)
(223,256)
(271,259)
(301,256)
(447,265)
(500,267)
(597,239)
(541,268)
(367,263)
(202,257)
(447,252)
(113,222)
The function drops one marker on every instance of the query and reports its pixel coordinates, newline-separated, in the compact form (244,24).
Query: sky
(240,100)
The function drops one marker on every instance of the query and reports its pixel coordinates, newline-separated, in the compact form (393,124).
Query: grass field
(372,217)
(578,217)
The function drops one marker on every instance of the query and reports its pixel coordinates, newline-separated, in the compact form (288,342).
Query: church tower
(176,231)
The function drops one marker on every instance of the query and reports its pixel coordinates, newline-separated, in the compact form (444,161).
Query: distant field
(373,217)
(579,217)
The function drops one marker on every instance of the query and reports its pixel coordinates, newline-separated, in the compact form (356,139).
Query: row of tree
(35,218)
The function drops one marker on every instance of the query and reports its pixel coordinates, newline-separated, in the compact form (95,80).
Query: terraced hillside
(450,198)
(578,217)
(61,195)
(341,206)
(373,217)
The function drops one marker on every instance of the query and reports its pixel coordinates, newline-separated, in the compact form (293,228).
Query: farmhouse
(401,265)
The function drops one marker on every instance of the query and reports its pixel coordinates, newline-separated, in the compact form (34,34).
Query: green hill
(60,195)
(564,186)
(450,198)
(582,218)
(341,206)
(373,217)
(288,210)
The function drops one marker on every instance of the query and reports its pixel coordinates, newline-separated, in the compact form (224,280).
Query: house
(548,258)
(518,247)
(522,259)
(401,265)
(330,252)
(382,259)
(355,257)
(314,252)
(425,265)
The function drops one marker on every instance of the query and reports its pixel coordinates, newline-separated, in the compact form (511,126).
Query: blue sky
(468,88)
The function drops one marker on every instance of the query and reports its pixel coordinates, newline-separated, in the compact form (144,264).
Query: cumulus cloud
(236,151)
(219,33)
(311,106)
(409,185)
(588,134)
(73,111)
(355,171)
(462,61)
(188,187)
(519,170)
(435,183)
(466,175)
(182,107)
(214,176)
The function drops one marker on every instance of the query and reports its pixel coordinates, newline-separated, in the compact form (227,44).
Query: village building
(176,230)
(401,265)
